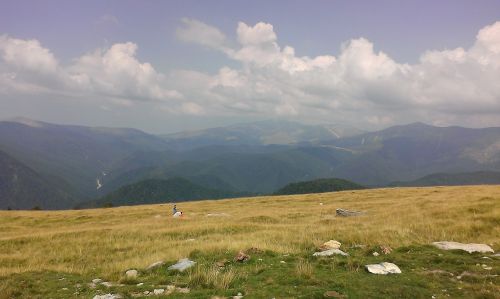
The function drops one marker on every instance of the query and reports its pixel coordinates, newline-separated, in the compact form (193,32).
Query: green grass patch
(427,272)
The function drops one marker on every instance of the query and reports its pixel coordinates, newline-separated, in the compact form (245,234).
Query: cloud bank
(360,86)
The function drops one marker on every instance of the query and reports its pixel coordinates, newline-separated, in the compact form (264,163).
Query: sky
(166,66)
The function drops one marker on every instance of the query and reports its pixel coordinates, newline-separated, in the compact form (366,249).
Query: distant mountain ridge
(22,188)
(88,163)
(259,133)
(159,191)
(454,179)
(78,154)
(318,186)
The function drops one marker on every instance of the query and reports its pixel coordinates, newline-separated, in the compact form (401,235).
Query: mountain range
(85,163)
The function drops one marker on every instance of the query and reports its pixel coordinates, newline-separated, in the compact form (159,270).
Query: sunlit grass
(106,242)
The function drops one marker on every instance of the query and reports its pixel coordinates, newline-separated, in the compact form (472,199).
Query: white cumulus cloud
(360,86)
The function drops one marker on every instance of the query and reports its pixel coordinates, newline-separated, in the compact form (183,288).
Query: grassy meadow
(55,254)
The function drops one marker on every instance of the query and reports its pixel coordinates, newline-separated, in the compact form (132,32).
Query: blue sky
(188,66)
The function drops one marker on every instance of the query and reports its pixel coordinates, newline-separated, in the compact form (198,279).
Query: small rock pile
(241,257)
(383,268)
(330,248)
(182,265)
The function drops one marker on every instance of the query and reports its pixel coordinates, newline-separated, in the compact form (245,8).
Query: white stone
(183,290)
(330,252)
(375,254)
(108,296)
(132,274)
(332,244)
(486,267)
(470,248)
(146,292)
(383,268)
(158,291)
(155,265)
(107,284)
(96,280)
(283,262)
(170,289)
(140,284)
(182,265)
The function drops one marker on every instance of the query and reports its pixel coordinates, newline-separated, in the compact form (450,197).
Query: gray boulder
(470,248)
(182,265)
(383,268)
(330,252)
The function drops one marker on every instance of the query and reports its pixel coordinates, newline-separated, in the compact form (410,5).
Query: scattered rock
(131,274)
(241,257)
(470,248)
(108,296)
(375,254)
(155,265)
(158,291)
(238,296)
(170,289)
(347,213)
(282,262)
(385,249)
(182,265)
(320,203)
(183,290)
(333,294)
(332,244)
(383,268)
(140,284)
(330,252)
(107,284)
(146,293)
(96,280)
(222,263)
(486,267)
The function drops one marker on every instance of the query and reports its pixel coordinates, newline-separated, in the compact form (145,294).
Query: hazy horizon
(165,67)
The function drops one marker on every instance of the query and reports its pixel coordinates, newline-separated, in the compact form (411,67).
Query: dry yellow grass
(106,242)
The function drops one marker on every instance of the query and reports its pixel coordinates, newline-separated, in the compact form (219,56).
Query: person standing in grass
(175,212)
